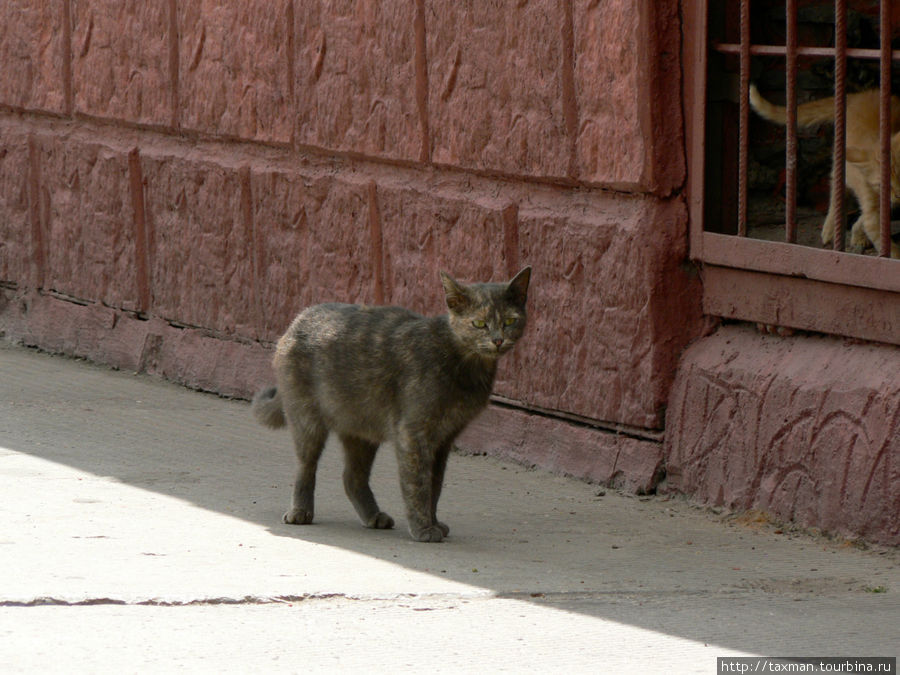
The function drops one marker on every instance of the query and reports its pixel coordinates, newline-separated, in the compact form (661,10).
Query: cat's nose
(498,342)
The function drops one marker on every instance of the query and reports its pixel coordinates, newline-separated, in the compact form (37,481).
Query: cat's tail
(808,114)
(267,408)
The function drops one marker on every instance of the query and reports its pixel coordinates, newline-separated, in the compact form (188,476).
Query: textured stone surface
(121,54)
(355,79)
(17,262)
(612,102)
(604,298)
(112,337)
(32,51)
(608,311)
(628,99)
(86,220)
(313,243)
(554,445)
(806,428)
(495,86)
(427,231)
(201,244)
(233,68)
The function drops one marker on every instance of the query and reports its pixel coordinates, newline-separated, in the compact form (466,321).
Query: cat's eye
(509,321)
(478,323)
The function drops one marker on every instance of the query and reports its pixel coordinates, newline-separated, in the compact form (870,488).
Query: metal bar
(822,52)
(884,202)
(695,53)
(790,149)
(744,124)
(838,180)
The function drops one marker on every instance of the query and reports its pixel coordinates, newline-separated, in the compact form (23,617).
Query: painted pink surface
(807,428)
(122,64)
(234,68)
(33,46)
(575,450)
(207,173)
(355,78)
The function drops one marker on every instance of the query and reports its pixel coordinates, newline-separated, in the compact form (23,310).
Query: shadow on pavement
(656,564)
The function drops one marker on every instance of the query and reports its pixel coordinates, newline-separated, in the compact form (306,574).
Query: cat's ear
(517,291)
(457,297)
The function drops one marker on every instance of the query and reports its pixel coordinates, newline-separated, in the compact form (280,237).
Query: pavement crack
(49,601)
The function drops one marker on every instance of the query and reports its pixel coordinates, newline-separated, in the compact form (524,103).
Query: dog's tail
(808,114)
(267,408)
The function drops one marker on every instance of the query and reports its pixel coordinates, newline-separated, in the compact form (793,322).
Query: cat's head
(487,319)
(868,161)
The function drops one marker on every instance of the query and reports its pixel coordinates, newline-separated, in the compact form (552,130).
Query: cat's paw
(432,534)
(444,528)
(380,521)
(858,237)
(298,517)
(772,329)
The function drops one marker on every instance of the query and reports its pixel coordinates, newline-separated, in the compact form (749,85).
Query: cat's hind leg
(358,458)
(309,441)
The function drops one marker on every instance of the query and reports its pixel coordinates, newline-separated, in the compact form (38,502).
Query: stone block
(314,244)
(234,69)
(630,132)
(198,360)
(425,232)
(804,428)
(606,283)
(90,331)
(201,244)
(105,335)
(612,102)
(355,77)
(495,86)
(121,60)
(33,50)
(17,263)
(606,287)
(87,220)
(569,449)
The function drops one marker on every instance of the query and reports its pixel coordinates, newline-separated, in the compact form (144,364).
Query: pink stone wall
(806,428)
(178,180)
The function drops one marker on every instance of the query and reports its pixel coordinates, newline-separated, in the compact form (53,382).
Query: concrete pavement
(140,531)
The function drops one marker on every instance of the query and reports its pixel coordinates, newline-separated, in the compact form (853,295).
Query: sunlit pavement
(140,531)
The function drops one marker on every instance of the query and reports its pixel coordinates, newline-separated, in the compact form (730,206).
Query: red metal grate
(745,49)
(783,276)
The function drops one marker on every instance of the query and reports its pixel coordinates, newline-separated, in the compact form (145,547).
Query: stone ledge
(199,359)
(806,428)
(190,356)
(565,448)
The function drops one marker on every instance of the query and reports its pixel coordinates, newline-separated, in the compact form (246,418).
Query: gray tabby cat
(376,374)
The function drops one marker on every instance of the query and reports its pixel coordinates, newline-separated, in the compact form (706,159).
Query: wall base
(562,447)
(193,357)
(806,428)
(203,360)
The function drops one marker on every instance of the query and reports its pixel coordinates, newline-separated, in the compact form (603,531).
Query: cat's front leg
(437,483)
(416,466)
(858,237)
